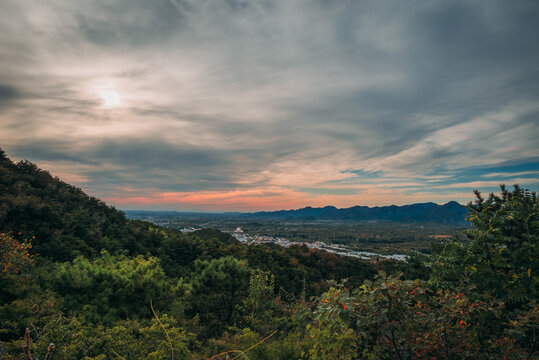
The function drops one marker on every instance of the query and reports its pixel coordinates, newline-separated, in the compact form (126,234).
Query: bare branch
(50,349)
(26,347)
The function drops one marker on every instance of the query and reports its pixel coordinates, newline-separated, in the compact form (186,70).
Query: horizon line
(269,211)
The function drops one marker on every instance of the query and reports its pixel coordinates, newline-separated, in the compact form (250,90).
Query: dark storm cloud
(271,94)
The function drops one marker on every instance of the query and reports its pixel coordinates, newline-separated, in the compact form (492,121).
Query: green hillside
(77,273)
(65,221)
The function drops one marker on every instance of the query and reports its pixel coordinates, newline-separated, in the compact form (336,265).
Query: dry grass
(242,352)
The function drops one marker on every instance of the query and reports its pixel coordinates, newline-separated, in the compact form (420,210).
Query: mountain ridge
(451,212)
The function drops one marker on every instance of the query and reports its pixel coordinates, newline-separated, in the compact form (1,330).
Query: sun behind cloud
(110,98)
(276,104)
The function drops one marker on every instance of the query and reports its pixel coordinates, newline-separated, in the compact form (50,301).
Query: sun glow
(110,98)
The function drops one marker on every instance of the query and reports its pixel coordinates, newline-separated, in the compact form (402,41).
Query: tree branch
(50,349)
(26,347)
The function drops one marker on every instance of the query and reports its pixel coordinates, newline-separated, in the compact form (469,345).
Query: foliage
(14,255)
(77,339)
(500,255)
(408,319)
(217,289)
(31,306)
(64,220)
(301,272)
(261,287)
(109,287)
(20,297)
(329,335)
(504,244)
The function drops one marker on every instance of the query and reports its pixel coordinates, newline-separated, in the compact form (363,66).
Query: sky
(246,105)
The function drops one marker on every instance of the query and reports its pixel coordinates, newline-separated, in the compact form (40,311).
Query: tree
(218,288)
(501,253)
(110,288)
(15,255)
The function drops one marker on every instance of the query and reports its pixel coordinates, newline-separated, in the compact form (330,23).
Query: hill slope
(65,221)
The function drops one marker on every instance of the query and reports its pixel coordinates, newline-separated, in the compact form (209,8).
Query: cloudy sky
(214,105)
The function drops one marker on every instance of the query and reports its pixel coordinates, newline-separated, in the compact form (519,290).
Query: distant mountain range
(452,212)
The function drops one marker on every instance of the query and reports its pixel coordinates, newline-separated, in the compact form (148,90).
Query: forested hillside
(64,220)
(77,273)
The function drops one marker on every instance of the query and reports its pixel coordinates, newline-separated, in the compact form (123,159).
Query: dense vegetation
(78,273)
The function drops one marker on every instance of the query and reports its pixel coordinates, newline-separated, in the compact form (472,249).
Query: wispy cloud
(244,104)
(509,174)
